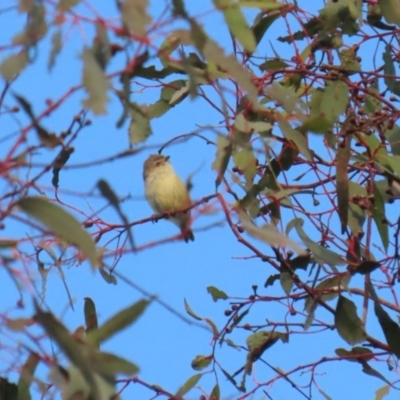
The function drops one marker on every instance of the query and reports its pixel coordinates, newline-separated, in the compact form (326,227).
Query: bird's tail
(187,235)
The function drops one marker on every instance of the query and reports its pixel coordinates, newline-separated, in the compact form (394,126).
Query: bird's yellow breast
(166,192)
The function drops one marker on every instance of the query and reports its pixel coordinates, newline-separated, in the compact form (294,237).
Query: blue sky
(162,344)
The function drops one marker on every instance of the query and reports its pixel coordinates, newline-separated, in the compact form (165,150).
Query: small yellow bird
(166,192)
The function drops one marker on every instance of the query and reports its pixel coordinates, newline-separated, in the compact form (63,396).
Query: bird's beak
(167,158)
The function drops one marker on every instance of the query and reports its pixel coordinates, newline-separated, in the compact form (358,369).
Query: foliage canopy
(305,161)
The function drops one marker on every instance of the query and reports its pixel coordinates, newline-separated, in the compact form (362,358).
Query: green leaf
(60,162)
(246,127)
(288,99)
(109,278)
(221,162)
(378,213)
(265,5)
(25,6)
(14,64)
(393,136)
(349,60)
(231,379)
(237,24)
(117,322)
(72,385)
(347,323)
(151,72)
(317,121)
(8,390)
(321,254)
(179,95)
(372,103)
(262,340)
(374,18)
(356,354)
(168,98)
(338,13)
(310,314)
(367,369)
(90,314)
(178,8)
(215,394)
(261,24)
(188,385)
(382,392)
(286,281)
(135,17)
(49,140)
(300,262)
(102,48)
(366,267)
(216,293)
(139,127)
(356,213)
(324,394)
(68,345)
(192,71)
(108,193)
(63,224)
(7,243)
(268,180)
(334,100)
(268,234)
(312,27)
(201,362)
(342,180)
(394,164)
(124,96)
(390,10)
(259,342)
(35,27)
(18,324)
(244,159)
(275,64)
(390,72)
(213,327)
(239,319)
(168,46)
(230,343)
(66,5)
(299,139)
(214,54)
(355,8)
(390,329)
(158,109)
(27,376)
(376,149)
(43,272)
(110,365)
(95,83)
(191,312)
(324,290)
(281,196)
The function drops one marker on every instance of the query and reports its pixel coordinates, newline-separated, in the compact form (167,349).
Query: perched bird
(166,192)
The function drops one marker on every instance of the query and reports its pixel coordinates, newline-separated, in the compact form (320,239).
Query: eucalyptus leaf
(390,329)
(237,23)
(348,324)
(61,223)
(188,385)
(95,83)
(117,322)
(320,253)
